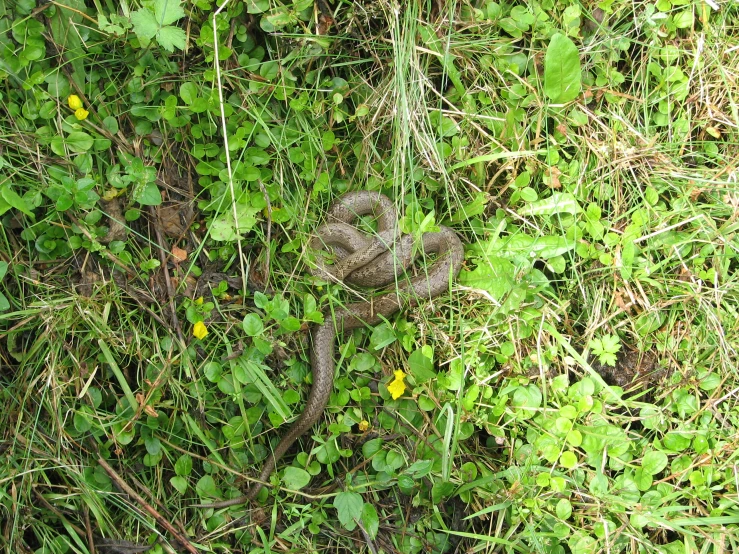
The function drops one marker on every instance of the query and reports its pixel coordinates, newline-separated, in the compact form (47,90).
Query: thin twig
(163,249)
(179,537)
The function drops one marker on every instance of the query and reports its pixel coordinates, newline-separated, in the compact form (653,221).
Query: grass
(574,392)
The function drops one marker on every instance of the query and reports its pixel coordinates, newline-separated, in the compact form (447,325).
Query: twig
(184,541)
(163,259)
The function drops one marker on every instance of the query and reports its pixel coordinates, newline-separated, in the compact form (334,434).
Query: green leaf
(188,92)
(349,508)
(183,465)
(382,336)
(179,483)
(370,520)
(64,31)
(206,487)
(654,462)
(421,366)
(4,303)
(3,269)
(253,325)
(568,459)
(295,478)
(257,6)
(79,141)
(213,371)
(170,38)
(168,11)
(269,70)
(557,202)
(149,195)
(15,201)
(562,71)
(564,509)
(223,227)
(683,19)
(144,24)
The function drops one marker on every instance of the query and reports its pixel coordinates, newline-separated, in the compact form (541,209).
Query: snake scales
(369,261)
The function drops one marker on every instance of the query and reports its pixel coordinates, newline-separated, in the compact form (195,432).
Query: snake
(379,259)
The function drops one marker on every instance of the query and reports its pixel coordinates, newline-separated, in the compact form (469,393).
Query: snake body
(368,261)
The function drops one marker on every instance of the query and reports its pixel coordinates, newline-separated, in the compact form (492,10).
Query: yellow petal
(81,113)
(364,425)
(74,102)
(397,387)
(199,330)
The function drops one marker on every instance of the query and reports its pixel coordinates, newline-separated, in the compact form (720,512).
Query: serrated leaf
(170,38)
(144,24)
(349,508)
(562,71)
(168,11)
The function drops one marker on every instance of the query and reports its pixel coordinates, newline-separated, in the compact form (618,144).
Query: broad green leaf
(63,23)
(654,462)
(188,92)
(144,24)
(15,201)
(349,508)
(257,6)
(683,19)
(79,141)
(4,303)
(493,274)
(558,202)
(295,478)
(3,269)
(562,71)
(253,325)
(149,195)
(370,520)
(170,38)
(421,366)
(179,483)
(183,465)
(168,11)
(206,487)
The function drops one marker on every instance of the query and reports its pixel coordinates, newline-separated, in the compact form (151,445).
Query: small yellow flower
(199,330)
(364,425)
(81,113)
(397,387)
(74,102)
(199,301)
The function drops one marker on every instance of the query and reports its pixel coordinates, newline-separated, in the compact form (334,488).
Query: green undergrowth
(574,392)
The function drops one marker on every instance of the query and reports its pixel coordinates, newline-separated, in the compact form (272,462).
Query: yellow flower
(74,102)
(199,330)
(364,425)
(81,113)
(199,301)
(397,387)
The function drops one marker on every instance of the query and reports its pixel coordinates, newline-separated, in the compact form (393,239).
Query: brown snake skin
(369,261)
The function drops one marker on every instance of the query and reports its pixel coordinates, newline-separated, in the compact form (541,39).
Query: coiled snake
(367,261)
